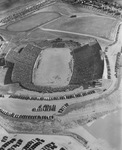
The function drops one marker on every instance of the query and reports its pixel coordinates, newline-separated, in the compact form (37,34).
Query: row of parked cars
(1,95)
(13,115)
(30,145)
(8,143)
(117,65)
(51,98)
(108,67)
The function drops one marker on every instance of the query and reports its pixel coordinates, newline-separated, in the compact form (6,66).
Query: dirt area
(53,69)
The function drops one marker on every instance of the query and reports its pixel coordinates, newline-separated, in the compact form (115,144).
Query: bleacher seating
(88,65)
(58,45)
(42,44)
(7,79)
(22,71)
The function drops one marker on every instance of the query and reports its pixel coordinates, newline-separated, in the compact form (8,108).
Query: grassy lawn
(91,25)
(33,21)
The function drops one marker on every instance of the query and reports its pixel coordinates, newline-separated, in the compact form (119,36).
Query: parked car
(4,139)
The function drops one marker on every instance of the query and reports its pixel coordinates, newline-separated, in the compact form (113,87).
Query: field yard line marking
(74,33)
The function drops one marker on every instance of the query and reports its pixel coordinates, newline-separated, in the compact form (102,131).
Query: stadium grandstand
(2,62)
(42,44)
(1,39)
(8,75)
(88,66)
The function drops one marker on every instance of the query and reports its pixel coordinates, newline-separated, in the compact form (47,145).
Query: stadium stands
(23,64)
(7,79)
(72,44)
(1,38)
(2,62)
(59,45)
(42,44)
(88,65)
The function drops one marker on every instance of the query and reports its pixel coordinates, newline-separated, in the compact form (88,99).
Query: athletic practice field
(91,25)
(33,21)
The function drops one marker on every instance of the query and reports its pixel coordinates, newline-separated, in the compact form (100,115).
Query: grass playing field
(90,25)
(33,21)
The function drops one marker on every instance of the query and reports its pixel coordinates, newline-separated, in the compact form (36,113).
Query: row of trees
(112,7)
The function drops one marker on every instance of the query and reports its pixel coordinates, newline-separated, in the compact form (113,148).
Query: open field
(48,71)
(33,21)
(91,25)
(39,34)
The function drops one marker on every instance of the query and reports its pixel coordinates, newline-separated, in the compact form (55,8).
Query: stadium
(59,65)
(85,65)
